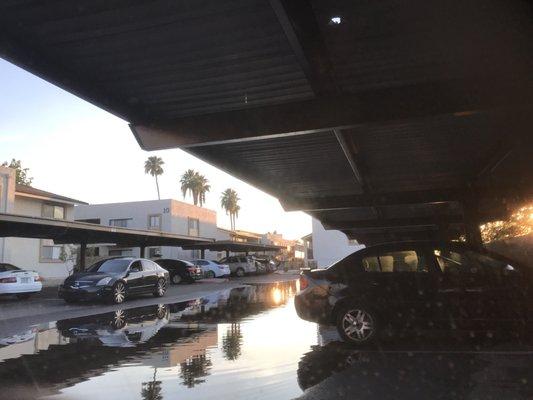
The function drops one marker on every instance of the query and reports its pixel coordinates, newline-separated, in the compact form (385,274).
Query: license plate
(25,280)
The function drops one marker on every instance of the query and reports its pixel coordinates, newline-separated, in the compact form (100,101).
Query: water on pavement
(245,343)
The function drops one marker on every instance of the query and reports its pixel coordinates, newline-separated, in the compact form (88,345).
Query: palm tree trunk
(157,186)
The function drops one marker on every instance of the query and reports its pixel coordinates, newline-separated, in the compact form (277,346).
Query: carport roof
(402,114)
(228,245)
(66,232)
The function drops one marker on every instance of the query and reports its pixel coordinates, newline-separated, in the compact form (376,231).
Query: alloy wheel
(358,325)
(161,287)
(176,279)
(119,293)
(240,272)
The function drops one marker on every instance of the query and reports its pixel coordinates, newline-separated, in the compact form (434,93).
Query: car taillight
(37,278)
(303,282)
(191,269)
(8,280)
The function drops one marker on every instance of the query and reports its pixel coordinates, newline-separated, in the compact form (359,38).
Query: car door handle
(449,290)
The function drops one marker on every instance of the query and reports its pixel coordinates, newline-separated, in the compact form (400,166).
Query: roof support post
(472,222)
(202,254)
(227,253)
(142,251)
(83,254)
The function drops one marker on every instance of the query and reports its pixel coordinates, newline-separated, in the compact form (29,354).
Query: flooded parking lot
(245,343)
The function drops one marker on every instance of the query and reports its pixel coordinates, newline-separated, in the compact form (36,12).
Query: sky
(77,150)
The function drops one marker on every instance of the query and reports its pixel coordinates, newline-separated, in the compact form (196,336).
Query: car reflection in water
(437,369)
(121,328)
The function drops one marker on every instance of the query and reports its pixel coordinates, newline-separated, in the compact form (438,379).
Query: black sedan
(114,279)
(416,287)
(180,270)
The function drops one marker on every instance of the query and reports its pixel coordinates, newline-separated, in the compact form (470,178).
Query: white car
(19,282)
(212,269)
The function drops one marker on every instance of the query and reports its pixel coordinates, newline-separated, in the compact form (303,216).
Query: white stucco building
(167,215)
(330,246)
(39,255)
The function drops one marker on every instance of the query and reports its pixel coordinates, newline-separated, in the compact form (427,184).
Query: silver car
(240,265)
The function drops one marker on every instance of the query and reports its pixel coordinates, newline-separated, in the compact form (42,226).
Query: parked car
(212,269)
(267,265)
(115,279)
(180,270)
(417,286)
(241,265)
(19,282)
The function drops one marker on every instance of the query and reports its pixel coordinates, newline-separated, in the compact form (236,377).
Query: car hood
(89,277)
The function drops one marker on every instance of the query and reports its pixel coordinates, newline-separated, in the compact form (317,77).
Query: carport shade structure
(385,119)
(229,245)
(73,232)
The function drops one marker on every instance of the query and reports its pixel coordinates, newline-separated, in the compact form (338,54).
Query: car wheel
(118,294)
(357,324)
(160,288)
(210,274)
(23,296)
(239,272)
(176,279)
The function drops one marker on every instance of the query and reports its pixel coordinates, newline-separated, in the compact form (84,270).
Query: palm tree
(154,167)
(195,184)
(229,201)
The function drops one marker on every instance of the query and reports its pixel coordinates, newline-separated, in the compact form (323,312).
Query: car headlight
(104,281)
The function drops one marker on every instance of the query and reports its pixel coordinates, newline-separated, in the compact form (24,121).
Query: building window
(154,252)
(52,211)
(194,227)
(50,252)
(154,222)
(120,252)
(120,223)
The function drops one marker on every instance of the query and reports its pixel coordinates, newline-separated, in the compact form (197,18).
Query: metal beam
(393,222)
(298,21)
(329,112)
(348,153)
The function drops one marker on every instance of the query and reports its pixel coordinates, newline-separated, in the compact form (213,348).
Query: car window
(243,259)
(397,261)
(8,267)
(114,265)
(472,262)
(148,265)
(136,266)
(201,262)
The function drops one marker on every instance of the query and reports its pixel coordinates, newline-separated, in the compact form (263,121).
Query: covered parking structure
(387,120)
(232,246)
(72,232)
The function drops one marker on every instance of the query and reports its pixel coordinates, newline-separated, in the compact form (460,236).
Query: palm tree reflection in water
(152,390)
(195,368)
(231,342)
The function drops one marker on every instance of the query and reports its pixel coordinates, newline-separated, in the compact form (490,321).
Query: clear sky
(75,149)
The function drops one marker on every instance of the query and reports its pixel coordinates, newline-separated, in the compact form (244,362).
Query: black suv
(417,286)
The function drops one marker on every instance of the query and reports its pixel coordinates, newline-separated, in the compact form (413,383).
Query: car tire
(23,296)
(176,279)
(69,300)
(357,324)
(239,272)
(118,293)
(210,275)
(160,288)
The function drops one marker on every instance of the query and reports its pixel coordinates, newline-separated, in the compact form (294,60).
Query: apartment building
(167,215)
(45,257)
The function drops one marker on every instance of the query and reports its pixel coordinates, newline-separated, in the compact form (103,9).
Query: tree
(21,174)
(519,224)
(152,390)
(194,369)
(231,342)
(154,167)
(229,201)
(196,184)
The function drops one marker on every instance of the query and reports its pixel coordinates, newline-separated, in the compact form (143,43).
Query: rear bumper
(89,293)
(312,309)
(14,288)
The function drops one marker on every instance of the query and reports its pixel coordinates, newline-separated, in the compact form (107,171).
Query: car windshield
(113,266)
